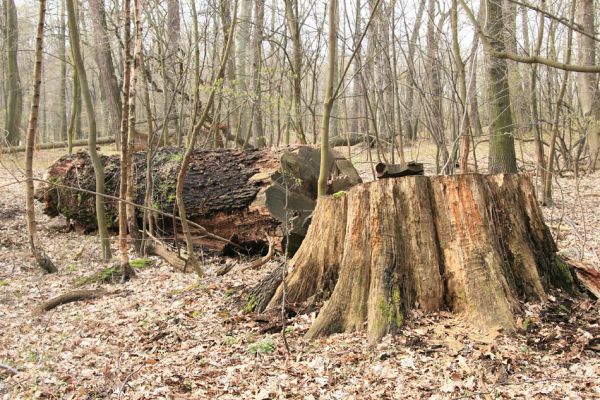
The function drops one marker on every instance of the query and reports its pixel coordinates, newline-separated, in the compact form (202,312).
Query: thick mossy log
(472,244)
(235,194)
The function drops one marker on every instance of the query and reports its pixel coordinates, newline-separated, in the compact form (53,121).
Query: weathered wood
(76,295)
(397,170)
(238,195)
(472,244)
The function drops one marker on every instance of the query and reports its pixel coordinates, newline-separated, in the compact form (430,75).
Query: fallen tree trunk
(57,145)
(240,196)
(472,244)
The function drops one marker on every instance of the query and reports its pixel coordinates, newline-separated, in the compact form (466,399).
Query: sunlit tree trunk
(108,81)
(329,99)
(42,259)
(14,107)
(257,120)
(91,119)
(589,96)
(502,158)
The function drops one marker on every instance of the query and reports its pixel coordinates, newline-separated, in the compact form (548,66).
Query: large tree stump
(472,244)
(240,195)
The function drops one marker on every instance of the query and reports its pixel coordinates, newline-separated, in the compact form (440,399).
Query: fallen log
(397,170)
(588,276)
(473,244)
(57,145)
(351,140)
(234,194)
(76,295)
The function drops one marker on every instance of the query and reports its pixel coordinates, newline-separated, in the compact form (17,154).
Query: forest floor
(170,335)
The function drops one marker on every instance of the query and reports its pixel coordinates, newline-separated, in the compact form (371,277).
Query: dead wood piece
(397,170)
(9,369)
(256,264)
(156,248)
(588,276)
(76,295)
(233,194)
(473,244)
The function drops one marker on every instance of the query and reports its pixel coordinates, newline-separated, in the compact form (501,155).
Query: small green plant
(265,346)
(177,157)
(229,340)
(3,283)
(196,313)
(71,267)
(229,292)
(171,198)
(289,329)
(140,263)
(339,195)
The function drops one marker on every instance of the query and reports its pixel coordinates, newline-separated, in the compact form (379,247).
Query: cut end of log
(472,244)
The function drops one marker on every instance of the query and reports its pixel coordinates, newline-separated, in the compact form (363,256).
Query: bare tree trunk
(42,259)
(192,260)
(502,141)
(62,54)
(257,120)
(589,96)
(329,99)
(14,107)
(126,270)
(464,122)
(293,23)
(108,81)
(87,99)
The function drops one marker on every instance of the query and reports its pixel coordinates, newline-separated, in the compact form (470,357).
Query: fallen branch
(156,248)
(9,369)
(76,295)
(262,261)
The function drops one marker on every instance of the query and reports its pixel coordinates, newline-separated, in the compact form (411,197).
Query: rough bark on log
(472,244)
(235,194)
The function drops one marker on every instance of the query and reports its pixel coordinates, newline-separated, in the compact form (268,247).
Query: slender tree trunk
(589,96)
(62,54)
(192,260)
(131,217)
(242,62)
(108,81)
(36,248)
(257,120)
(502,158)
(126,270)
(329,99)
(547,185)
(14,107)
(87,100)
(75,110)
(293,23)
(464,121)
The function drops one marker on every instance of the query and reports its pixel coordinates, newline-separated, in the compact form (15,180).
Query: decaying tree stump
(240,195)
(472,244)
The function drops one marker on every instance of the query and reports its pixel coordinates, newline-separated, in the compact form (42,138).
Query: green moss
(107,275)
(251,304)
(561,276)
(140,263)
(265,346)
(339,195)
(176,157)
(3,283)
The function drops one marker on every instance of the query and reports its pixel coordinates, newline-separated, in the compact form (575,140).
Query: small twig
(127,378)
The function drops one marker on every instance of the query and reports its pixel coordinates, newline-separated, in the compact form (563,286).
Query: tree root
(76,295)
